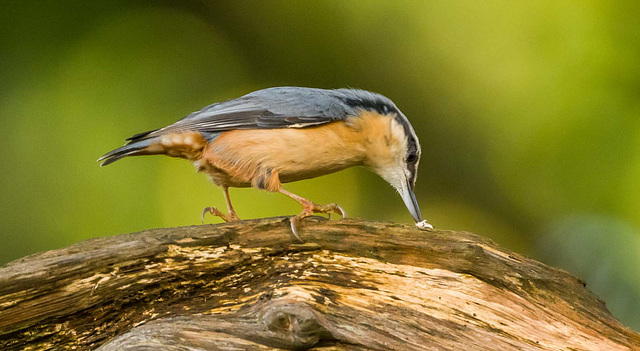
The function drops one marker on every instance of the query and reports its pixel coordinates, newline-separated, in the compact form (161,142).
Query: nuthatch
(279,135)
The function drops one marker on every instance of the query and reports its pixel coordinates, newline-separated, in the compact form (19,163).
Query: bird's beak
(409,198)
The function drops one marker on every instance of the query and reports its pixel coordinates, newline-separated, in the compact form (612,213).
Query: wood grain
(248,285)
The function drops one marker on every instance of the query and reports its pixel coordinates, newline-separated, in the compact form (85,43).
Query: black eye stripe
(371,103)
(412,150)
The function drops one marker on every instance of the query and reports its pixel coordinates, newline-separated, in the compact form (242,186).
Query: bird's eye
(412,158)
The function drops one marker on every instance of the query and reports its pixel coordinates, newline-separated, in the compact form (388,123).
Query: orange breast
(244,157)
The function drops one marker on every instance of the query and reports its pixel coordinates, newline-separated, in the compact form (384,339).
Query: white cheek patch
(398,134)
(392,177)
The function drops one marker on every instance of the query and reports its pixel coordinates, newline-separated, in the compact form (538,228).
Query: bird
(283,134)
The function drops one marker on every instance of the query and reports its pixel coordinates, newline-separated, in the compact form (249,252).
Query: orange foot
(308,209)
(214,211)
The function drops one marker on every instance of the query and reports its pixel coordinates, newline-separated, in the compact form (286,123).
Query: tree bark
(248,285)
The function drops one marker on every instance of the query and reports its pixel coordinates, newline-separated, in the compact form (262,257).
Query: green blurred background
(528,115)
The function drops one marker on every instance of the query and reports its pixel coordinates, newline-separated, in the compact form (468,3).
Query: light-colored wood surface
(354,285)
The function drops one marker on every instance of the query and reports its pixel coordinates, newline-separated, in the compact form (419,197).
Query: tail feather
(141,135)
(131,149)
(183,145)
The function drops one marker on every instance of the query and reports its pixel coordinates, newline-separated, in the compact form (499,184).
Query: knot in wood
(294,323)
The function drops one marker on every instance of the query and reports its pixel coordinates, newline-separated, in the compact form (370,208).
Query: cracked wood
(248,285)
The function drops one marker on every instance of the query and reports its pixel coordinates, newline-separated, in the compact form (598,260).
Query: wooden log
(248,285)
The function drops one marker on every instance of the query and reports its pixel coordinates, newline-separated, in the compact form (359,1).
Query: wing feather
(273,108)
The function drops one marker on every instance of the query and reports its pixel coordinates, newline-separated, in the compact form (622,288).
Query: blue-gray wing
(282,107)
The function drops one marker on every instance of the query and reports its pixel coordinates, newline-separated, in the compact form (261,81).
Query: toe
(215,212)
(343,213)
(204,212)
(294,221)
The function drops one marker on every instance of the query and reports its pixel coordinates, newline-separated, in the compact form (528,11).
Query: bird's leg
(308,209)
(214,211)
(232,213)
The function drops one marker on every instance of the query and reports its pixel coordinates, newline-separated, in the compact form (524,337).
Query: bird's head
(392,149)
(397,162)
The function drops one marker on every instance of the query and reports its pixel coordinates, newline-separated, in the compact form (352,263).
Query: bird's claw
(314,208)
(329,209)
(215,212)
(343,213)
(206,210)
(293,221)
